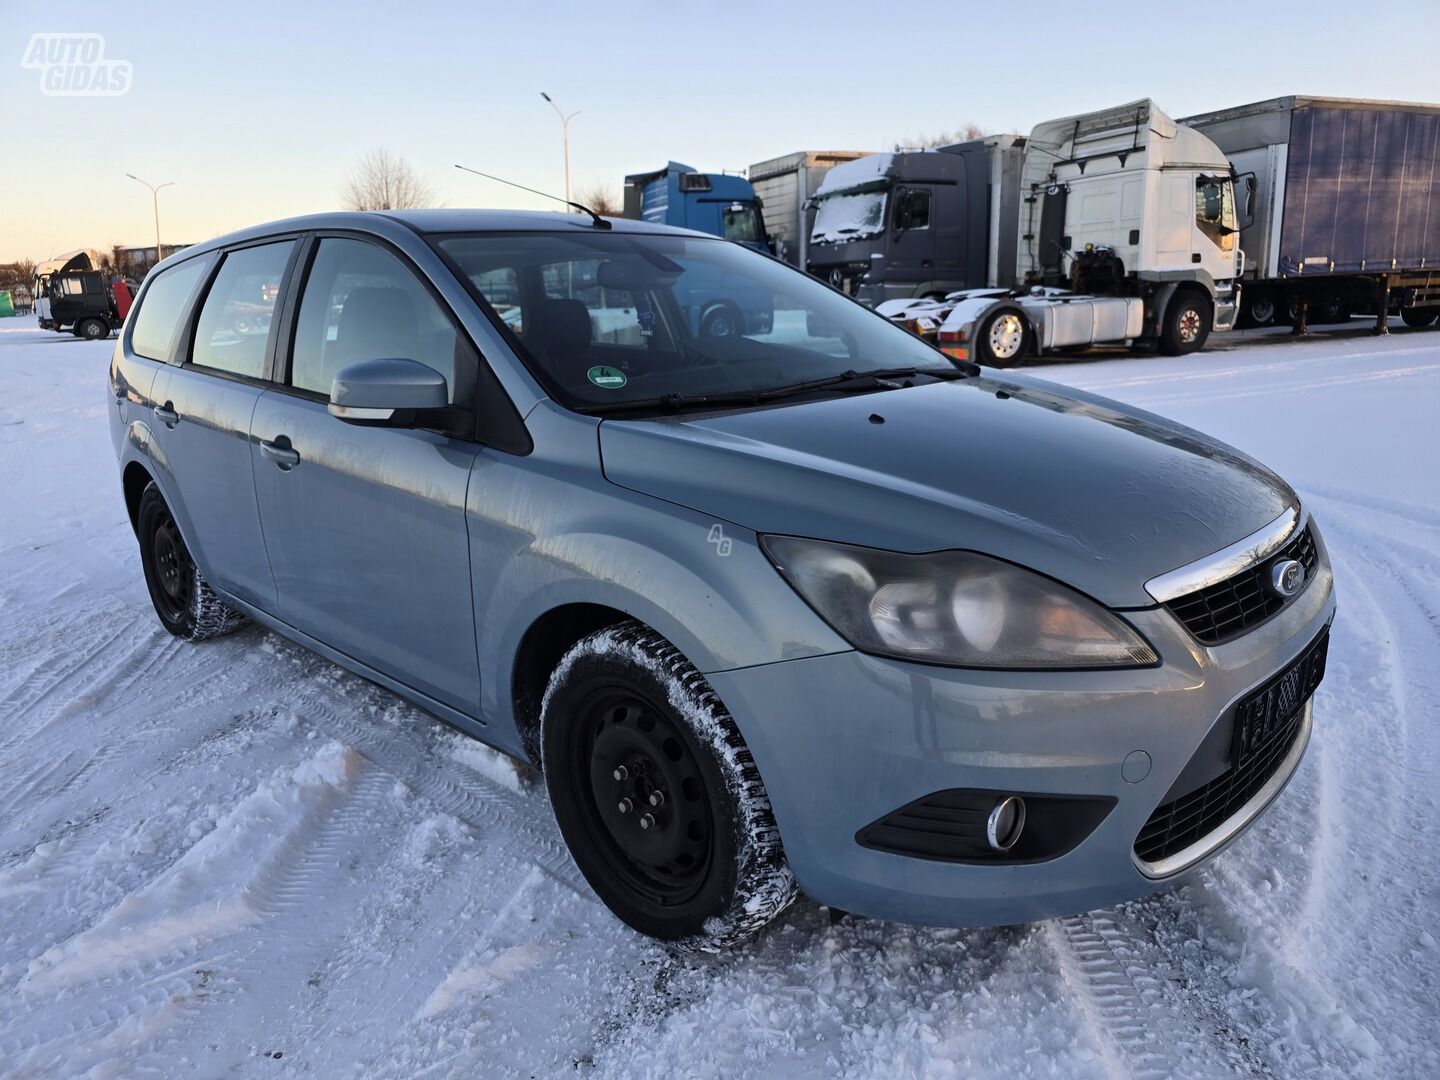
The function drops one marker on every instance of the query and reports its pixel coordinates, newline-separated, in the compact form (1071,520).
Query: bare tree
(964,133)
(600,196)
(385,181)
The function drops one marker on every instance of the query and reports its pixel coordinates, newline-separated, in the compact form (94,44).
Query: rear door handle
(167,415)
(281,452)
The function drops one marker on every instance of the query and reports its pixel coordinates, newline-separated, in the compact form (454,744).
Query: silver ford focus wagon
(776,601)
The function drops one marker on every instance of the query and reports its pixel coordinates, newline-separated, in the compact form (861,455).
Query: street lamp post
(155,202)
(565,135)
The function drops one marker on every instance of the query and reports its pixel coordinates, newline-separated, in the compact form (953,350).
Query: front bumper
(843,739)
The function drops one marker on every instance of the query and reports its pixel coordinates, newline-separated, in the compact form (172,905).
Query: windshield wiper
(846,381)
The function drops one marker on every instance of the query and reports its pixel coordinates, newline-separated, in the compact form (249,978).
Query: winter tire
(92,329)
(183,599)
(1419,317)
(656,794)
(1187,323)
(1002,337)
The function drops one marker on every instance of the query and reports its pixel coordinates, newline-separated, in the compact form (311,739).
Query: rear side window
(234,324)
(362,303)
(159,312)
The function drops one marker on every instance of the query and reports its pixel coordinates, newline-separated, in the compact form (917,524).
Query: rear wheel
(657,797)
(1419,317)
(1187,323)
(92,329)
(183,599)
(1002,337)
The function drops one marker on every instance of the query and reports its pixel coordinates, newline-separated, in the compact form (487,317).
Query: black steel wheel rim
(649,811)
(174,572)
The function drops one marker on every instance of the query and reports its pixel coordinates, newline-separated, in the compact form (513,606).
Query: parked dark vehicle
(72,294)
(1346,207)
(893,226)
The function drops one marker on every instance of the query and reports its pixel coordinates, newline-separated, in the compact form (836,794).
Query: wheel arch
(134,480)
(548,638)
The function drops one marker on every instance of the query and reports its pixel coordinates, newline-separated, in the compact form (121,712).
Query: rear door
(202,416)
(365,526)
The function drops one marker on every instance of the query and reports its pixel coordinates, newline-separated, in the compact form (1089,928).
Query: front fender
(703,583)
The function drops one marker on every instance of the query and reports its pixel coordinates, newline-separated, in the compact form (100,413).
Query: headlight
(954,607)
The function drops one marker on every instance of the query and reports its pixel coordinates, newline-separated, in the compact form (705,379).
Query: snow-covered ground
(237,859)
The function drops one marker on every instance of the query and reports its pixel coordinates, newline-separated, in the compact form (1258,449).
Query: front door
(202,420)
(365,526)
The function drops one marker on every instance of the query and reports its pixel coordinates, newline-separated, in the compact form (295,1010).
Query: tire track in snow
(1116,976)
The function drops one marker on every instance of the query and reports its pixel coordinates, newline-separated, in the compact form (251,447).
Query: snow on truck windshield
(850,202)
(615,319)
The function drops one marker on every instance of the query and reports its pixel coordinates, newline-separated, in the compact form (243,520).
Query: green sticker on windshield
(607,378)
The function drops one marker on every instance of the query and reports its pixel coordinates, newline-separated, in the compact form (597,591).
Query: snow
(845,213)
(854,174)
(221,853)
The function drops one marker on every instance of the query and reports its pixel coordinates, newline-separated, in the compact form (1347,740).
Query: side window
(362,303)
(156,319)
(1215,211)
(501,290)
(234,324)
(912,210)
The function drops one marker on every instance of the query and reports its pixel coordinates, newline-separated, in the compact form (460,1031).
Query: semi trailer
(1347,207)
(1118,226)
(785,186)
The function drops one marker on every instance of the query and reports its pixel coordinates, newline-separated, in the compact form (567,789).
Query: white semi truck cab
(1127,232)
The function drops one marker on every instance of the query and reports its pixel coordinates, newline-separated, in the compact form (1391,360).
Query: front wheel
(92,329)
(183,599)
(1187,324)
(1002,337)
(656,794)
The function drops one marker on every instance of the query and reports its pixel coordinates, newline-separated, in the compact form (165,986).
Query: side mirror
(386,391)
(1248,185)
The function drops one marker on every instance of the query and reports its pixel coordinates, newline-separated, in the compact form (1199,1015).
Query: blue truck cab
(715,203)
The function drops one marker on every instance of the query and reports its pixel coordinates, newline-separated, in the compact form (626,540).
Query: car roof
(434,221)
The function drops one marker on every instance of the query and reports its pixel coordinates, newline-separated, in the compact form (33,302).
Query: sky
(257,111)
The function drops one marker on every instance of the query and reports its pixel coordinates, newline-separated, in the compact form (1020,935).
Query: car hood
(1086,490)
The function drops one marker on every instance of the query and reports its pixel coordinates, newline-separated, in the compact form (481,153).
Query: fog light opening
(1006,822)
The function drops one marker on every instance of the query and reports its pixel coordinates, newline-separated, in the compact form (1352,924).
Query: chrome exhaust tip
(1006,822)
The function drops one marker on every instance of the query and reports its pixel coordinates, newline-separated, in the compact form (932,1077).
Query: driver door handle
(167,415)
(285,456)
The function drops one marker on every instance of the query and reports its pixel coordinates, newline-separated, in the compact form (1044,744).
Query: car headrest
(564,328)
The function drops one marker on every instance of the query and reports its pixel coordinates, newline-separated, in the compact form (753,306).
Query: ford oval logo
(1287,577)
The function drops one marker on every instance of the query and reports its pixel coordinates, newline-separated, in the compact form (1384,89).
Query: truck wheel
(183,599)
(1418,316)
(92,329)
(1329,310)
(1259,307)
(657,797)
(720,321)
(1187,323)
(1002,337)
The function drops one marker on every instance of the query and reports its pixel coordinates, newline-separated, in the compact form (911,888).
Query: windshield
(604,318)
(742,224)
(848,217)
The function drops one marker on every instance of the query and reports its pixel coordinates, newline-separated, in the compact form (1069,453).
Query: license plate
(1273,709)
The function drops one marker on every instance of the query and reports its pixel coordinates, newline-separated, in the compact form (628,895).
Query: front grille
(1222,612)
(1266,724)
